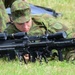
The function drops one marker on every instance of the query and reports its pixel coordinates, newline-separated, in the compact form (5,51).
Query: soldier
(23,21)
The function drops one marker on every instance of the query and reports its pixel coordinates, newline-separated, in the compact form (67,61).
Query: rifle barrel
(51,44)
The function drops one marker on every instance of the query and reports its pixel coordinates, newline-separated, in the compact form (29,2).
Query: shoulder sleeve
(3,11)
(50,23)
(53,25)
(2,23)
(8,29)
(11,29)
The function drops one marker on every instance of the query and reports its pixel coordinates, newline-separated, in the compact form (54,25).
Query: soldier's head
(21,15)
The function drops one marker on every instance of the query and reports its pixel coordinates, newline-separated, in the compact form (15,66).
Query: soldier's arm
(53,25)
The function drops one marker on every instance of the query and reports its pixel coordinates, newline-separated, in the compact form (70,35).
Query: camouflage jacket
(3,11)
(4,4)
(40,24)
(3,15)
(2,23)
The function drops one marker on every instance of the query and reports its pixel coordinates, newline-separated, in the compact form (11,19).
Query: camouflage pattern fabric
(4,4)
(21,11)
(2,23)
(3,11)
(40,24)
(3,15)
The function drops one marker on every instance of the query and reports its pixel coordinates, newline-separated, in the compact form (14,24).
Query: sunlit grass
(67,9)
(52,68)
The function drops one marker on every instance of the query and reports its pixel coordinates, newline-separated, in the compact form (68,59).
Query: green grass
(67,8)
(52,68)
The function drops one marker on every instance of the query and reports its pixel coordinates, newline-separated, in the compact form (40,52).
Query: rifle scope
(58,35)
(5,36)
(16,35)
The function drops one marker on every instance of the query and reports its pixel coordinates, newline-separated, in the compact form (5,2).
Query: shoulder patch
(57,26)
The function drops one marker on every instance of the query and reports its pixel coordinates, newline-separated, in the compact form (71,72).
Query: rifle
(36,46)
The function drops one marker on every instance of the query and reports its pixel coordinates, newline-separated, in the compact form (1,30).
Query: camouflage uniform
(4,18)
(2,23)
(40,23)
(4,4)
(21,13)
